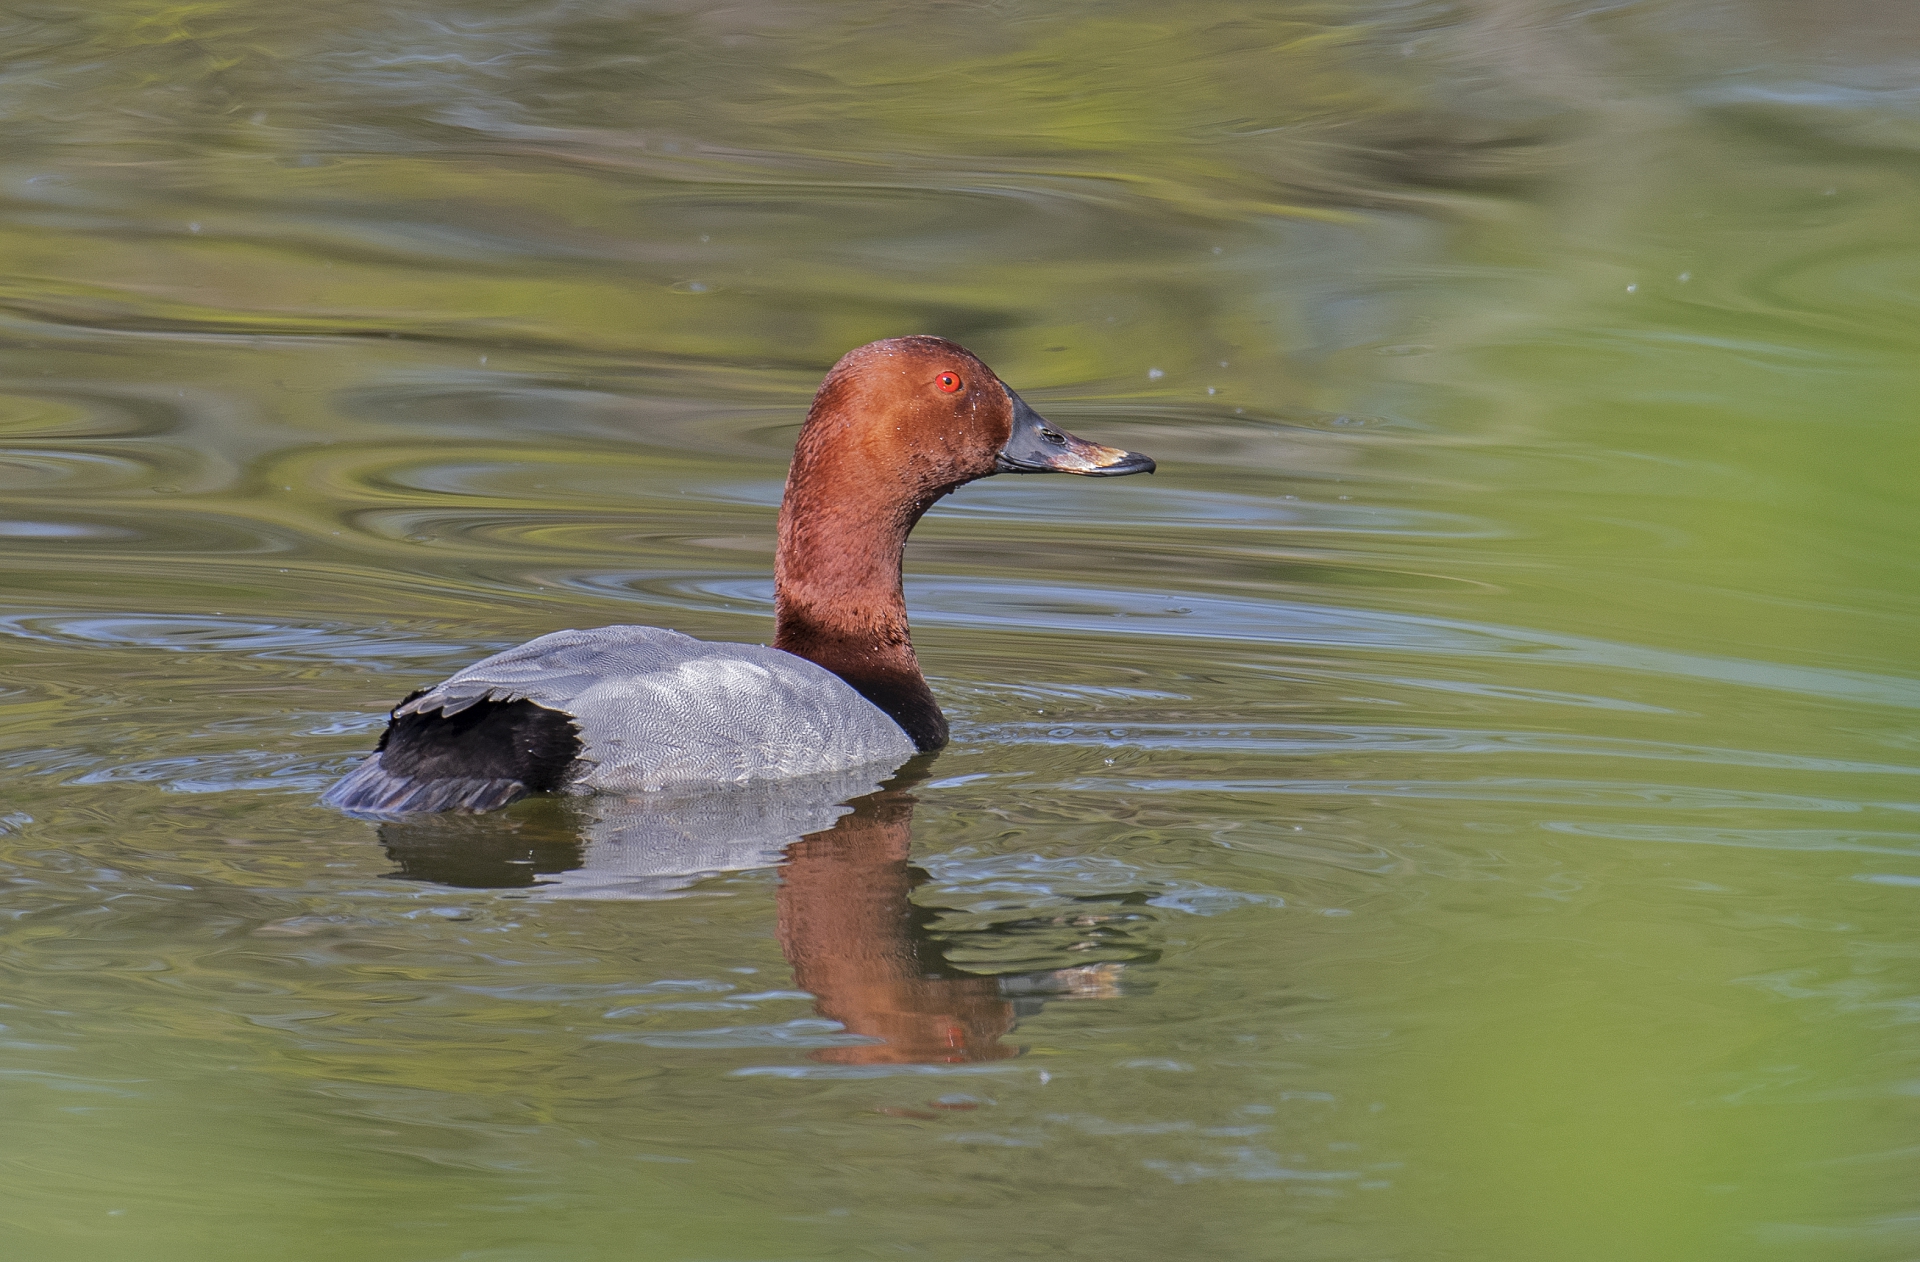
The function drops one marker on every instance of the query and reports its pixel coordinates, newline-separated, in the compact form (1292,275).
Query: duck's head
(896,425)
(924,415)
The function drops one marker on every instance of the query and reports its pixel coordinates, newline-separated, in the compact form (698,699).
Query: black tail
(488,755)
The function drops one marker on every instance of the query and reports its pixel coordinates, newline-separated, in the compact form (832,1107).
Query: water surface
(1464,806)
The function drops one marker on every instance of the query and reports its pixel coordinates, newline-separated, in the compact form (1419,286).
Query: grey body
(655,709)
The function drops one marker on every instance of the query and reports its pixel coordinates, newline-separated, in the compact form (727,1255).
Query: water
(1464,806)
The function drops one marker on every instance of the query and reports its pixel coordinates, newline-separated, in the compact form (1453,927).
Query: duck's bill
(1037,446)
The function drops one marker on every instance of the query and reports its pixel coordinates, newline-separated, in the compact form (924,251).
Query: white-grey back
(656,708)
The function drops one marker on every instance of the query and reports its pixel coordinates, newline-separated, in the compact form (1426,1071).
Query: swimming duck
(895,426)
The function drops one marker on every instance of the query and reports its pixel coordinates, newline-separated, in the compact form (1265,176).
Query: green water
(1463,807)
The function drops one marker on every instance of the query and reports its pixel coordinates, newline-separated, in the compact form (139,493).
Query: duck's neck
(837,593)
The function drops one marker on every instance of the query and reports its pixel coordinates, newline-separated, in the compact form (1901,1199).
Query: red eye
(947,382)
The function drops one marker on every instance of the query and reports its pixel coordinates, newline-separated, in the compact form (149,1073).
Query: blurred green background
(1462,807)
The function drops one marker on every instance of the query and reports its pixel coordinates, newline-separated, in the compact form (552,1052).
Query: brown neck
(838,599)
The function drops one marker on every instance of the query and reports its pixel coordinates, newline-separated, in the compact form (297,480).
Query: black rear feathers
(482,758)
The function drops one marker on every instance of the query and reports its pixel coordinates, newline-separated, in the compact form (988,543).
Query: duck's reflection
(847,922)
(859,945)
(505,851)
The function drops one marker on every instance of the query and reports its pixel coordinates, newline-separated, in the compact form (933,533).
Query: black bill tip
(1126,462)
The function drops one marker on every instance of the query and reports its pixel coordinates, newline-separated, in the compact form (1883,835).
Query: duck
(895,426)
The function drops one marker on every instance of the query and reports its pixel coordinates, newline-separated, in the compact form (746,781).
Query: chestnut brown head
(924,415)
(896,425)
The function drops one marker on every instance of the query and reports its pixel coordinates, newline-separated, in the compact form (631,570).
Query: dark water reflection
(873,959)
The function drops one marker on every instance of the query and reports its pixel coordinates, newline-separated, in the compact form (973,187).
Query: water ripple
(1009,604)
